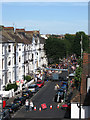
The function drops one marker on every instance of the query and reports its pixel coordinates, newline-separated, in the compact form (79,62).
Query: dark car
(64,82)
(27,94)
(5,115)
(12,107)
(59,96)
(60,90)
(64,87)
(20,100)
(33,88)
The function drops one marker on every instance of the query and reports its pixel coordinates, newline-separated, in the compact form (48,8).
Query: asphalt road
(44,95)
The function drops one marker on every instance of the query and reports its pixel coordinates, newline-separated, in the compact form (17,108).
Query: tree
(11,86)
(69,39)
(28,78)
(76,43)
(58,48)
(55,49)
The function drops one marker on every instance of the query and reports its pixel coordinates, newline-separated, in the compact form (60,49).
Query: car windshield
(60,93)
(24,92)
(32,86)
(39,82)
(61,90)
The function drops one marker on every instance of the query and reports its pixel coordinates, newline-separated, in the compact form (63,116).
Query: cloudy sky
(48,17)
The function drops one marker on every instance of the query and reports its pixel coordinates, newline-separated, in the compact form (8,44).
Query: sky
(48,17)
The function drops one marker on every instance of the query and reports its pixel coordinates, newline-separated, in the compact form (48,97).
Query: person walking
(27,105)
(31,105)
(56,87)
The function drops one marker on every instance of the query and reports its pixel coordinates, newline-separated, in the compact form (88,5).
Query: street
(44,95)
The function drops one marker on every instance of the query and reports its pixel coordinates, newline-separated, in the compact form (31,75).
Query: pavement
(10,100)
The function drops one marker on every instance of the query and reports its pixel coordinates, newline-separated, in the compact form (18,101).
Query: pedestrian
(27,105)
(56,87)
(31,105)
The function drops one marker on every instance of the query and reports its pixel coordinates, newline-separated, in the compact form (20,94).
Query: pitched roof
(8,27)
(85,99)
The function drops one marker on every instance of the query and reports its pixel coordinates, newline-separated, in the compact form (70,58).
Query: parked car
(64,82)
(5,115)
(12,107)
(60,90)
(59,96)
(66,106)
(33,88)
(64,87)
(27,94)
(40,83)
(20,100)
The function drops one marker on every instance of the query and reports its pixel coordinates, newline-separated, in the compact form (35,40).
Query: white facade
(44,36)
(85,111)
(19,59)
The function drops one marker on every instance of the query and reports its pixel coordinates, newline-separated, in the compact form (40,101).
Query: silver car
(33,88)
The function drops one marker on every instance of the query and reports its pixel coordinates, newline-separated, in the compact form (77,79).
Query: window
(2,63)
(19,59)
(9,48)
(9,63)
(32,56)
(19,48)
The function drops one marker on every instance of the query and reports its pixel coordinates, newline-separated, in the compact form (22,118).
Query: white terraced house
(21,53)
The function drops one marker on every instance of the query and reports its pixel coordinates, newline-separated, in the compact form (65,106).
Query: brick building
(83,98)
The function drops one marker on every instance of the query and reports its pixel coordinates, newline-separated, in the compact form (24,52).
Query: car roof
(63,87)
(26,91)
(33,85)
(39,80)
(64,82)
(60,89)
(59,92)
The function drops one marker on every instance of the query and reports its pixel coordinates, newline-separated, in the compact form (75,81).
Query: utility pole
(80,83)
(81,47)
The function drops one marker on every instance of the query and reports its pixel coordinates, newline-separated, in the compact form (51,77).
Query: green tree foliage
(69,41)
(77,77)
(11,86)
(77,46)
(58,48)
(28,78)
(55,49)
(78,73)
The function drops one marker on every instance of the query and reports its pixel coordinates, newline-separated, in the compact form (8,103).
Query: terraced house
(21,52)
